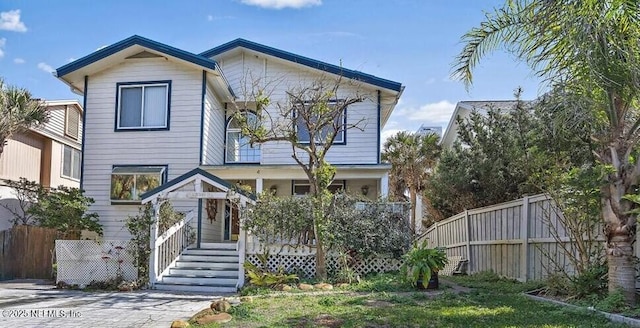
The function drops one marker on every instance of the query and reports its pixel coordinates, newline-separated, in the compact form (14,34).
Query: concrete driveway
(30,303)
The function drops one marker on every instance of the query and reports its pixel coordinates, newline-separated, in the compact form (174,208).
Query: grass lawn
(489,304)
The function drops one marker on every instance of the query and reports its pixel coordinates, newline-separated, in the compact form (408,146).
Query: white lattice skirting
(305,264)
(82,261)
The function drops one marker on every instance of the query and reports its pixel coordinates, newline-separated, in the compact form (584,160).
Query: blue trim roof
(135,40)
(192,173)
(356,75)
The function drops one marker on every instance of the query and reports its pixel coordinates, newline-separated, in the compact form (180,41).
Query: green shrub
(614,302)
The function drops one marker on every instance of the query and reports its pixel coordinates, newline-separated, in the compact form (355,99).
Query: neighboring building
(464,109)
(160,122)
(424,130)
(50,154)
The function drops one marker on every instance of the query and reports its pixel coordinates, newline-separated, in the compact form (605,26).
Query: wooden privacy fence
(513,239)
(27,252)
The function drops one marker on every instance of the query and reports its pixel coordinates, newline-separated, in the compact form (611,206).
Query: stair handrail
(162,256)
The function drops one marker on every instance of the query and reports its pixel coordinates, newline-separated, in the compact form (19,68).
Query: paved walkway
(36,304)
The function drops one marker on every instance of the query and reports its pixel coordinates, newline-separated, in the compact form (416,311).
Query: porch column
(242,243)
(259,182)
(384,185)
(153,257)
(198,188)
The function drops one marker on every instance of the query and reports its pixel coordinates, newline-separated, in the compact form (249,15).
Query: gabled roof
(131,41)
(334,69)
(191,176)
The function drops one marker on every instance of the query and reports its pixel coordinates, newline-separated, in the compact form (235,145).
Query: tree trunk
(321,265)
(620,229)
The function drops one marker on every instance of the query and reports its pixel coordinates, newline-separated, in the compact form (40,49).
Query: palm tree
(18,112)
(412,157)
(588,50)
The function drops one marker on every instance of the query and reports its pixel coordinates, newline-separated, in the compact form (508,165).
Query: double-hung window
(129,182)
(70,163)
(143,105)
(312,117)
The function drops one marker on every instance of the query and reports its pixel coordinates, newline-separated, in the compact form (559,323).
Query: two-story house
(49,154)
(160,118)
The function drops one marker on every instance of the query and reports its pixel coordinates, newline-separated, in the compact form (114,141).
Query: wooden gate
(27,252)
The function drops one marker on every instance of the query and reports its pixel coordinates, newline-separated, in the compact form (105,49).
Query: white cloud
(19,61)
(429,114)
(70,59)
(280,4)
(10,21)
(3,41)
(45,67)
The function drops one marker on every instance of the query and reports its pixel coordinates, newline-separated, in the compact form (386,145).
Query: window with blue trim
(338,126)
(143,105)
(239,148)
(129,182)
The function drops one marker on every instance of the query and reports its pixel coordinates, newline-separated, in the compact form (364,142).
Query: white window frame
(135,170)
(227,143)
(143,85)
(73,169)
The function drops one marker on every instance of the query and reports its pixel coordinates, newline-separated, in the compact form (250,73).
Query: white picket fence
(80,262)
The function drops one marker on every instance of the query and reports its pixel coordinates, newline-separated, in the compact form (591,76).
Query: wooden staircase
(212,268)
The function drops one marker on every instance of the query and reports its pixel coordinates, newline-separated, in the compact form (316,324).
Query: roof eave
(306,61)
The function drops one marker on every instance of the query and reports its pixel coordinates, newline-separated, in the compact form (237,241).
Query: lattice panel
(83,261)
(304,265)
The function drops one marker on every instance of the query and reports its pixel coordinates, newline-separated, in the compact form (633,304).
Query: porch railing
(167,247)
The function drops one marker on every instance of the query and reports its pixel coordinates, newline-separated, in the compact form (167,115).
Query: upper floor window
(338,126)
(143,105)
(129,182)
(72,122)
(239,148)
(70,163)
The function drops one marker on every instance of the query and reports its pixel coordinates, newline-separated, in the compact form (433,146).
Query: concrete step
(203,272)
(207,251)
(207,265)
(208,258)
(200,281)
(196,288)
(229,245)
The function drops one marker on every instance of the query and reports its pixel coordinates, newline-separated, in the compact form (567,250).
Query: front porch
(205,250)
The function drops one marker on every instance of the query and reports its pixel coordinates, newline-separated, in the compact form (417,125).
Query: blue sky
(409,41)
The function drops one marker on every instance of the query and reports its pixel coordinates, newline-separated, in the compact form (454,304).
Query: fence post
(437,235)
(467,219)
(524,234)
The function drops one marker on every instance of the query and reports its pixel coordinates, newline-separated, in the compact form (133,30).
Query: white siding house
(160,118)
